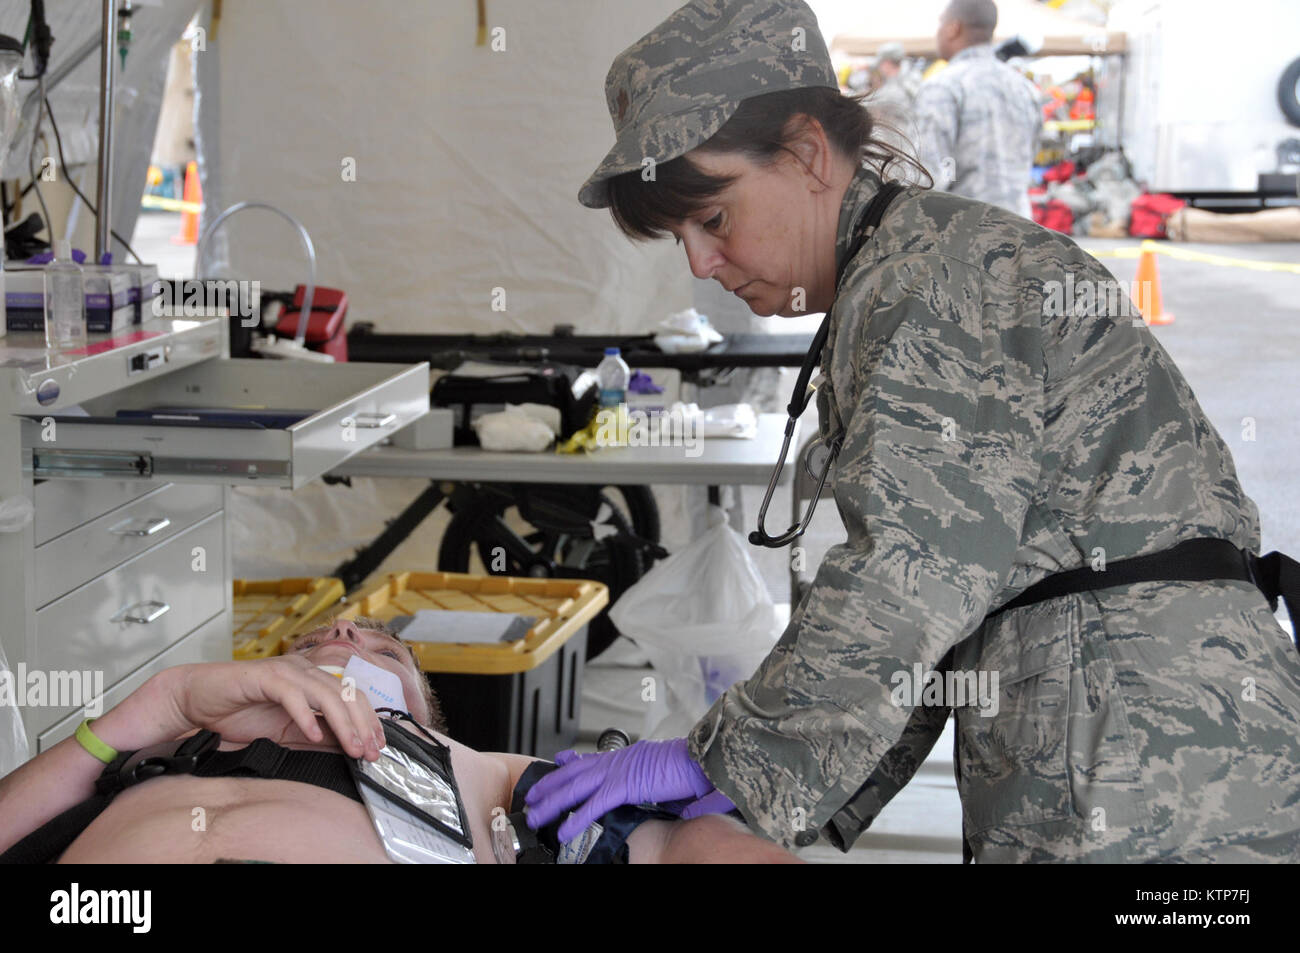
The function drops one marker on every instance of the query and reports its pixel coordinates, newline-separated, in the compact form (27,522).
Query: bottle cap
(62,249)
(612,350)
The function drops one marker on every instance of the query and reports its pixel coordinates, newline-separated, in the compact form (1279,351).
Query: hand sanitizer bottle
(65,300)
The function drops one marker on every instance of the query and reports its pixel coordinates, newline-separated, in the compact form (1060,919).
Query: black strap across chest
(196,755)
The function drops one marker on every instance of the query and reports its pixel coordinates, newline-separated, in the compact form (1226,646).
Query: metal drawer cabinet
(76,557)
(63,505)
(126,617)
(343,409)
(210,642)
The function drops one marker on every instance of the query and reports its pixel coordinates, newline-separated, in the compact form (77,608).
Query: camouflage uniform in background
(1156,721)
(892,103)
(984,117)
(896,93)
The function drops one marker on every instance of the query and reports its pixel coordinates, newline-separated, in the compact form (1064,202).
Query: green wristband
(92,744)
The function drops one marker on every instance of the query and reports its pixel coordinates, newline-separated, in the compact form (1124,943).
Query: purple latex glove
(646,772)
(79,256)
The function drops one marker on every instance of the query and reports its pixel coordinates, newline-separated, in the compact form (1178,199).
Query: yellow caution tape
(1186,254)
(170,205)
(1069,125)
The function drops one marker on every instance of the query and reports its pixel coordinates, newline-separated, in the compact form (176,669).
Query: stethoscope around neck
(823,451)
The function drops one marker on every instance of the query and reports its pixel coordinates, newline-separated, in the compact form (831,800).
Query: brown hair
(760,129)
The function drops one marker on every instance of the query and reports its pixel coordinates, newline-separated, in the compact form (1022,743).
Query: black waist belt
(196,755)
(1194,560)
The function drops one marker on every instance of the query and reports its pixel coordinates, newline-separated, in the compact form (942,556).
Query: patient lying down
(186,819)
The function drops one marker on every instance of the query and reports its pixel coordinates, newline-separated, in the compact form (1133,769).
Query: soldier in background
(977,121)
(890,104)
(899,83)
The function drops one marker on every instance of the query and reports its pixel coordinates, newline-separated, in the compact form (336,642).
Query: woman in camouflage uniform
(993,434)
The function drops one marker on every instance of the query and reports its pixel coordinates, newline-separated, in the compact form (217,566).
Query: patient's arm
(64,776)
(239,700)
(711,839)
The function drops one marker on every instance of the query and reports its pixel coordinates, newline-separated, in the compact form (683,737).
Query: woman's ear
(806,141)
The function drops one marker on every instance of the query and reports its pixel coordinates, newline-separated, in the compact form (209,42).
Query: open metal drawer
(350,408)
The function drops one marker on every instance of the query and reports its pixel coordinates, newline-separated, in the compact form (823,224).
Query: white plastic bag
(13,738)
(15,513)
(705,620)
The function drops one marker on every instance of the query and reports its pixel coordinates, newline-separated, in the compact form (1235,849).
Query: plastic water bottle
(65,299)
(613,375)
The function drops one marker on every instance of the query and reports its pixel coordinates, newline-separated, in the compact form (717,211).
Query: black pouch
(471,397)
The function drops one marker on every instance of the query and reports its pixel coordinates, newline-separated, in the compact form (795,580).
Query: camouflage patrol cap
(891,51)
(676,86)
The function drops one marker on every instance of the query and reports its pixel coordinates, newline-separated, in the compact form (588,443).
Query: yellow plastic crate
(563,608)
(269,612)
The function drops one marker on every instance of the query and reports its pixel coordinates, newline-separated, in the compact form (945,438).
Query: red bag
(1061,172)
(1150,212)
(1054,214)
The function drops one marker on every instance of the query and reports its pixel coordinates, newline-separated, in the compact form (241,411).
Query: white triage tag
(382,687)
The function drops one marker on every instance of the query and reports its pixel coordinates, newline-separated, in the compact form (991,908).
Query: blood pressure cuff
(618,824)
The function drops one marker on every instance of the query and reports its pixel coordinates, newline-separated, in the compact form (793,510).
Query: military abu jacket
(977,125)
(998,430)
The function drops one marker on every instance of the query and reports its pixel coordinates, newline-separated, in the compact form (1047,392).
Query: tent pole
(104,188)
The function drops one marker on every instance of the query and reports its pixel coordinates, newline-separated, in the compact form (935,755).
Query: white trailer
(1210,105)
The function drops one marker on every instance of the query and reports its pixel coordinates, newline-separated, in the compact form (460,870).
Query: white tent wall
(467,167)
(467,160)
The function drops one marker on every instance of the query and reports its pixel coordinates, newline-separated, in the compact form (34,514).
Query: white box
(433,431)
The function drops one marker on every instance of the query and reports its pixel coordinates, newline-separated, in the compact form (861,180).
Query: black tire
(643,509)
(1288,92)
(479,525)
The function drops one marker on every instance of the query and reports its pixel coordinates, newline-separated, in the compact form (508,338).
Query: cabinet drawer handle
(158,609)
(372,421)
(155,525)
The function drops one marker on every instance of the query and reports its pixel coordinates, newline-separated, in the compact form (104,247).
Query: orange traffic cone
(189,233)
(1148,287)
